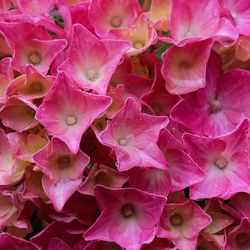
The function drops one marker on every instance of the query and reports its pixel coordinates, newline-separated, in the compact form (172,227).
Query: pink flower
(152,180)
(242,50)
(102,175)
(194,19)
(80,14)
(239,11)
(35,47)
(225,162)
(241,201)
(239,237)
(35,6)
(182,223)
(58,244)
(106,15)
(133,136)
(32,188)
(141,35)
(126,214)
(215,109)
(13,212)
(6,75)
(158,100)
(92,61)
(18,114)
(67,112)
(205,242)
(31,85)
(159,14)
(183,171)
(26,144)
(11,168)
(199,20)
(184,68)
(69,233)
(8,241)
(63,171)
(215,233)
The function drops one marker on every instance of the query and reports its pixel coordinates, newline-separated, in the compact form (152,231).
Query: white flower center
(71,120)
(35,58)
(138,44)
(176,220)
(92,74)
(221,163)
(122,142)
(116,21)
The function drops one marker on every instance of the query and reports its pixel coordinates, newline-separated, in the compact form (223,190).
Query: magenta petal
(8,241)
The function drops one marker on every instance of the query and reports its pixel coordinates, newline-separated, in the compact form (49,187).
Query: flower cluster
(124,124)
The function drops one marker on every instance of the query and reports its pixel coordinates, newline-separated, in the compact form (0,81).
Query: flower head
(133,136)
(67,112)
(126,213)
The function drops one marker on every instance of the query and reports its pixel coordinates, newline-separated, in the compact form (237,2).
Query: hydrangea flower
(67,112)
(63,171)
(239,237)
(31,85)
(238,13)
(31,48)
(8,241)
(124,124)
(12,169)
(107,15)
(225,162)
(181,223)
(141,35)
(199,20)
(92,61)
(184,68)
(126,213)
(214,108)
(133,136)
(102,175)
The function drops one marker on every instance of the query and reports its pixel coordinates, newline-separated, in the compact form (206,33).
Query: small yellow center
(128,210)
(116,21)
(92,74)
(176,220)
(71,120)
(138,44)
(221,163)
(35,58)
(63,161)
